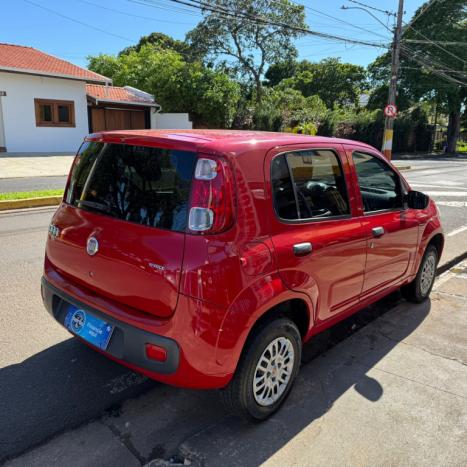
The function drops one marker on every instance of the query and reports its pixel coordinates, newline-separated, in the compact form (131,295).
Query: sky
(75,29)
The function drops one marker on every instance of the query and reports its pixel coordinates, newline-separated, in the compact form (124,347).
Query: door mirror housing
(417,200)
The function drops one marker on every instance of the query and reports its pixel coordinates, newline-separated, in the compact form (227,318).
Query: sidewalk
(393,393)
(34,165)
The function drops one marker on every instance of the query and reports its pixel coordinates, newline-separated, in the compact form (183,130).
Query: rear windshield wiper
(93,205)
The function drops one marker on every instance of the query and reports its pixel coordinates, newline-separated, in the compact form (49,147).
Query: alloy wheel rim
(428,274)
(273,371)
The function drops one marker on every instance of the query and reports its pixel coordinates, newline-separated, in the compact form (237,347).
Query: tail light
(212,197)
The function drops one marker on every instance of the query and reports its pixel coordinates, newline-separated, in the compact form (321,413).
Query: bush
(461,146)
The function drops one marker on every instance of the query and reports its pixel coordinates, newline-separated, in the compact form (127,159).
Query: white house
(49,105)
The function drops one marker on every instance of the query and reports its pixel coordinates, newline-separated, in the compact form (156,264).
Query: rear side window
(379,184)
(308,185)
(145,185)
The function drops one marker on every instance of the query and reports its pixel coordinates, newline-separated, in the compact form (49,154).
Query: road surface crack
(124,438)
(434,354)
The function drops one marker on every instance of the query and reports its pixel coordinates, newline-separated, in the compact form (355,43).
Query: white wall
(2,134)
(168,121)
(19,119)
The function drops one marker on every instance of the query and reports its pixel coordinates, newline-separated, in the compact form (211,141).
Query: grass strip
(29,194)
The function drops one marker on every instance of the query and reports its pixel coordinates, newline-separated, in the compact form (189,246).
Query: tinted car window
(145,185)
(284,198)
(379,184)
(317,183)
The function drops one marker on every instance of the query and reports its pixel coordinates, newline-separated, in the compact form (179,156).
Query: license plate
(87,326)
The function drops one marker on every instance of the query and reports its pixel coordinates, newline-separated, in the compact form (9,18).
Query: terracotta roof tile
(115,94)
(29,59)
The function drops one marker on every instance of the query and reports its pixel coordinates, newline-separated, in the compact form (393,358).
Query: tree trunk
(453,130)
(259,89)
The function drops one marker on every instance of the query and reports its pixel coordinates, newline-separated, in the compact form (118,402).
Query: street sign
(390,110)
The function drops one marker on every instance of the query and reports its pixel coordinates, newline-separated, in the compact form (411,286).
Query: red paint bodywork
(215,287)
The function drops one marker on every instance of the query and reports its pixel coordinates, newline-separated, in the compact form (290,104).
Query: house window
(51,112)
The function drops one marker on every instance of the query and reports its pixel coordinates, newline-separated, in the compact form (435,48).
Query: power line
(421,12)
(260,20)
(82,23)
(419,41)
(411,56)
(462,73)
(159,6)
(148,18)
(386,12)
(435,44)
(369,12)
(433,60)
(322,13)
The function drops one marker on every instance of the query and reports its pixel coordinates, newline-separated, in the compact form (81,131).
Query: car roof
(215,140)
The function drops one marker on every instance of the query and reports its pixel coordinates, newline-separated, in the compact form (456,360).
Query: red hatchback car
(205,259)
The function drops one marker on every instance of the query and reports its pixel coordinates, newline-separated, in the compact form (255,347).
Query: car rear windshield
(145,185)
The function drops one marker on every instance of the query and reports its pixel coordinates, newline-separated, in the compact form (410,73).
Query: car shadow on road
(57,389)
(334,364)
(68,384)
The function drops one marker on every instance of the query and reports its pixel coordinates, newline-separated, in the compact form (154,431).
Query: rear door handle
(302,249)
(377,231)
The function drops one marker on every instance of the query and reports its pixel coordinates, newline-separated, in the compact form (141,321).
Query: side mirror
(417,200)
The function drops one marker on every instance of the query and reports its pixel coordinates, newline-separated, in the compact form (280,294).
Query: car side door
(319,244)
(391,228)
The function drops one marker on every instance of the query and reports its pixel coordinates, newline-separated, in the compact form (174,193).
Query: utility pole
(389,120)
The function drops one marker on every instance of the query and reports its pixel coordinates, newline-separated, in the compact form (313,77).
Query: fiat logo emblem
(92,246)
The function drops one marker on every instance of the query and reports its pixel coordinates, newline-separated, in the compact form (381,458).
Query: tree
(426,60)
(210,96)
(334,82)
(162,42)
(279,71)
(246,34)
(284,108)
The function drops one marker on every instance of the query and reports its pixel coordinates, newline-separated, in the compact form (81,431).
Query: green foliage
(461,146)
(334,82)
(379,98)
(162,42)
(304,129)
(248,45)
(283,107)
(443,21)
(279,71)
(210,96)
(29,194)
(411,130)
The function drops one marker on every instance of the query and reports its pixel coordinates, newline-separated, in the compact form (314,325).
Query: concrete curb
(30,202)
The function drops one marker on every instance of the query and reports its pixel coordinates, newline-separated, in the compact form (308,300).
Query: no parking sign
(390,110)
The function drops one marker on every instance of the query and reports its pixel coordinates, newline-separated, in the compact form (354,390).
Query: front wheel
(419,289)
(266,371)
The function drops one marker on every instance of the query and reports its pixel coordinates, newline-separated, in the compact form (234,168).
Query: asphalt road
(446,183)
(9,185)
(49,382)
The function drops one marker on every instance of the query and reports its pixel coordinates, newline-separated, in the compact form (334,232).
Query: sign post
(390,115)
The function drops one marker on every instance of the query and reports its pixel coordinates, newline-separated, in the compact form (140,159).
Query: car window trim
(309,219)
(105,145)
(402,208)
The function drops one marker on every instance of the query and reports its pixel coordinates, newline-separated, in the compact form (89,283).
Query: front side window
(379,184)
(145,185)
(308,185)
(50,112)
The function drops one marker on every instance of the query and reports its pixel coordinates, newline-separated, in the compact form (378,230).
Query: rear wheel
(266,371)
(419,289)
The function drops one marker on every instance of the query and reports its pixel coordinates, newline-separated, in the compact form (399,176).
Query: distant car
(204,259)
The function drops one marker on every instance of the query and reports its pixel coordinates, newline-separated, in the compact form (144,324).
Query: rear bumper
(127,345)
(127,342)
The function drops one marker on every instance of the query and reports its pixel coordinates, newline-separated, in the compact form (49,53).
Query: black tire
(238,396)
(415,292)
